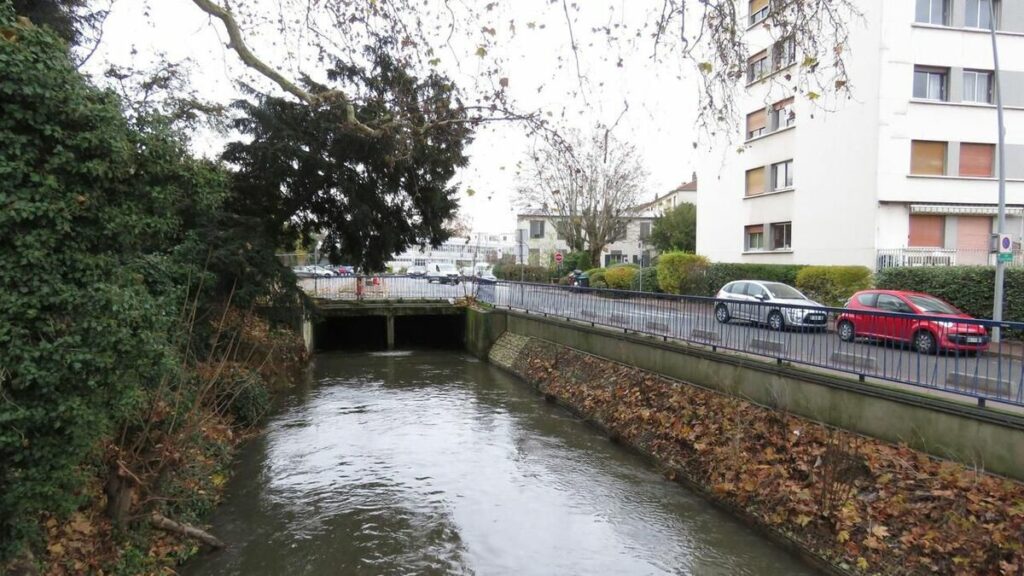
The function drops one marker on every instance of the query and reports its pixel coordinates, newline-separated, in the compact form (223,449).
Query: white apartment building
(901,174)
(478,247)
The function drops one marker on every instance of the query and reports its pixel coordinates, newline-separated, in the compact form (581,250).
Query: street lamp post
(997,302)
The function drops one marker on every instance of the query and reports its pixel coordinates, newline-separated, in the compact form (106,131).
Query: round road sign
(559,257)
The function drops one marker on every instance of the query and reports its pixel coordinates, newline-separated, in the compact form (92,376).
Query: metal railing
(903,257)
(940,353)
(394,288)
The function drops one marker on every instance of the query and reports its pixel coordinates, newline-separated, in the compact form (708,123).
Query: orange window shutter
(928,158)
(756,5)
(755,181)
(977,159)
(927,231)
(756,121)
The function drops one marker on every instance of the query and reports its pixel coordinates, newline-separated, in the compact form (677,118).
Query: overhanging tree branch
(238,45)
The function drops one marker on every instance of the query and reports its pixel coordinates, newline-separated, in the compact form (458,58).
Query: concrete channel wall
(985,438)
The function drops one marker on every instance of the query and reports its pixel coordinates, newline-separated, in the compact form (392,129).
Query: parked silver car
(753,300)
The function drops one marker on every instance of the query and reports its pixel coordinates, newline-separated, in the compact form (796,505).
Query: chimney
(694,177)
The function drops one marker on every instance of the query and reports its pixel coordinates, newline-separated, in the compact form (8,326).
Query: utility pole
(997,302)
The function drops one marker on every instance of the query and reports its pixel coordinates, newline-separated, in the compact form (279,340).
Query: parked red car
(926,335)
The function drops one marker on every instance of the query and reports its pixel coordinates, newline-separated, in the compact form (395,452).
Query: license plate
(816,317)
(974,340)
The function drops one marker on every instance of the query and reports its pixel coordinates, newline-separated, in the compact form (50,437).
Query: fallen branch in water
(163,523)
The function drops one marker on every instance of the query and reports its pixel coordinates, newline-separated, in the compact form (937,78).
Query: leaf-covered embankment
(862,504)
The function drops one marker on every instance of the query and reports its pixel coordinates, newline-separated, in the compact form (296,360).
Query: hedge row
(526,273)
(833,285)
(969,288)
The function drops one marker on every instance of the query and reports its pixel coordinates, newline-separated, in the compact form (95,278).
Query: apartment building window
(933,12)
(536,228)
(782,175)
(753,238)
(755,181)
(783,115)
(927,231)
(757,123)
(977,86)
(930,83)
(782,236)
(928,158)
(977,159)
(757,66)
(758,11)
(645,230)
(979,14)
(784,53)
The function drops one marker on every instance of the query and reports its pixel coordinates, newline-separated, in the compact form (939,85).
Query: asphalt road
(996,377)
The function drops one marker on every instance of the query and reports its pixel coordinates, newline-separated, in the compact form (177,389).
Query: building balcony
(903,257)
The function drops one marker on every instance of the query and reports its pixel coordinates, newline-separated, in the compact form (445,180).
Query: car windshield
(447,268)
(783,291)
(930,305)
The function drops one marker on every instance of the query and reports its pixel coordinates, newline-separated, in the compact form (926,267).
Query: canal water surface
(436,463)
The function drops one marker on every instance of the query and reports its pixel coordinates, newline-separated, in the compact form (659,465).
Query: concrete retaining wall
(984,438)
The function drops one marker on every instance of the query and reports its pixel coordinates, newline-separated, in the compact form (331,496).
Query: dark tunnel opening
(351,333)
(437,332)
(358,333)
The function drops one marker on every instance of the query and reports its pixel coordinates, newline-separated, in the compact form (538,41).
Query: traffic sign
(1005,257)
(559,257)
(1005,244)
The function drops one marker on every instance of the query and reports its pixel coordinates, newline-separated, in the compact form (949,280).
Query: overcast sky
(661,97)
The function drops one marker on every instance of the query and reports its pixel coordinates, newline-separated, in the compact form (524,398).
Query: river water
(436,463)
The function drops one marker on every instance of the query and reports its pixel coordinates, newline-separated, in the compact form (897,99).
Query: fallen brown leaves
(864,504)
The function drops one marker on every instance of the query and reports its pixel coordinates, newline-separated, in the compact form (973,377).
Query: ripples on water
(434,463)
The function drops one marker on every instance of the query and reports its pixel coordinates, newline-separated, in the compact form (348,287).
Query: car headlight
(794,313)
(947,324)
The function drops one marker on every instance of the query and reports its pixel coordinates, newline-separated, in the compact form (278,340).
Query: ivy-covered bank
(132,351)
(859,504)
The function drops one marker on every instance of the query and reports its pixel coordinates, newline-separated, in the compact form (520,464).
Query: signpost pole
(997,301)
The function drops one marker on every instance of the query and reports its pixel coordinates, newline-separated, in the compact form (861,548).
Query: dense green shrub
(576,261)
(596,275)
(682,273)
(620,277)
(833,285)
(92,209)
(721,273)
(969,288)
(527,273)
(649,277)
(599,284)
(244,396)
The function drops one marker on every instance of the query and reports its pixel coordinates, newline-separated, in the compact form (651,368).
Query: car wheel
(775,321)
(846,331)
(722,313)
(924,342)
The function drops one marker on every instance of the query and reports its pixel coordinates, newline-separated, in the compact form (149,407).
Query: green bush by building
(969,288)
(833,285)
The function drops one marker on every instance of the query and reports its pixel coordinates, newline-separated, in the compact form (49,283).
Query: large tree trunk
(595,256)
